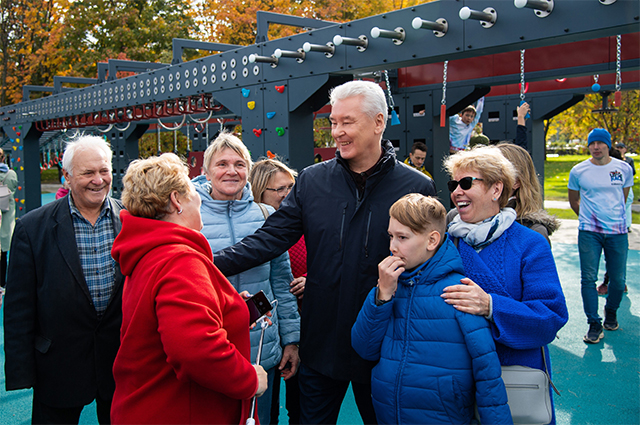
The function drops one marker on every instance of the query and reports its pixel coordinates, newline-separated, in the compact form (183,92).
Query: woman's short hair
(148,185)
(374,101)
(420,213)
(262,172)
(489,162)
(84,142)
(226,140)
(529,194)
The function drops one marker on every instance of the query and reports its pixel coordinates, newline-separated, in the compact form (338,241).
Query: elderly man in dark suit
(62,311)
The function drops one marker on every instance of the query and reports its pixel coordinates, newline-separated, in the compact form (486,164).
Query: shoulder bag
(528,393)
(5,196)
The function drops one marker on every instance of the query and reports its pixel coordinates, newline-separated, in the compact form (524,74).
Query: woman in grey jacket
(229,213)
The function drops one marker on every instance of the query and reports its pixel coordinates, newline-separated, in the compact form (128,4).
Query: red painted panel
(582,53)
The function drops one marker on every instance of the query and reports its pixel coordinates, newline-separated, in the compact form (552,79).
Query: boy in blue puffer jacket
(434,361)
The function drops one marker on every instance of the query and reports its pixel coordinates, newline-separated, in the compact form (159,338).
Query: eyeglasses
(465,183)
(284,190)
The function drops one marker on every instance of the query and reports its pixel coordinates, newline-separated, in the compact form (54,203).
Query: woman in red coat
(184,354)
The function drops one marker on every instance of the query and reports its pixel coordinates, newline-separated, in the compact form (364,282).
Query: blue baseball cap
(599,135)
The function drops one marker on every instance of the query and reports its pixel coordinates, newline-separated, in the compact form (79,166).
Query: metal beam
(265,18)
(179,44)
(114,65)
(57,82)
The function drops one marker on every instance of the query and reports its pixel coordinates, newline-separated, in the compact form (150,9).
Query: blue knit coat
(529,308)
(227,222)
(434,361)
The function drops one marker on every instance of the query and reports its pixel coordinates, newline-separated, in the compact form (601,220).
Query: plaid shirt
(94,247)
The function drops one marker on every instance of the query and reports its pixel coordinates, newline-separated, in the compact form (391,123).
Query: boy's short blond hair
(420,213)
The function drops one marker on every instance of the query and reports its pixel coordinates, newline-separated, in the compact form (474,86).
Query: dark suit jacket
(53,338)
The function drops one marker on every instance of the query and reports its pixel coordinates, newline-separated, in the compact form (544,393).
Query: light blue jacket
(227,222)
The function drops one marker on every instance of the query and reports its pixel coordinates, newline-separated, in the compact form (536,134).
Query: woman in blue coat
(228,215)
(434,361)
(512,277)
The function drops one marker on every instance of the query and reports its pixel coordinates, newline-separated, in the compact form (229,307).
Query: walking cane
(254,401)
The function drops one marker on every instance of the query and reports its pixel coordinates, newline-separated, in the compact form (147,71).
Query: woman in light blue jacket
(229,214)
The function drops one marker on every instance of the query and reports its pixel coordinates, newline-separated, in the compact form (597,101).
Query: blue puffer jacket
(434,361)
(227,222)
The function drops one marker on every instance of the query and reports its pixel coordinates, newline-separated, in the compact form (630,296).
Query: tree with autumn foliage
(140,30)
(41,39)
(234,22)
(577,121)
(29,35)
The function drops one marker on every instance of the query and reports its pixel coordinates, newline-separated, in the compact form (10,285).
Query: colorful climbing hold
(251,105)
(270,115)
(246,92)
(280,89)
(280,131)
(257,132)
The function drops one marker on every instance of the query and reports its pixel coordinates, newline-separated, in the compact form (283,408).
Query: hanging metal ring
(175,128)
(105,131)
(122,129)
(204,121)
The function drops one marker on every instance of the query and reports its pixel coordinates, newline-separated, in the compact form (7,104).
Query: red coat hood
(141,235)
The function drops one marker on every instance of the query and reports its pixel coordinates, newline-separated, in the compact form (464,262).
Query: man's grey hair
(374,101)
(84,142)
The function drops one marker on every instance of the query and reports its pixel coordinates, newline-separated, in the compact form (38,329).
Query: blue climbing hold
(246,92)
(270,115)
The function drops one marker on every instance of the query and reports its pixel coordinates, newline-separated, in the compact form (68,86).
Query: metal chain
(386,80)
(444,83)
(188,138)
(522,74)
(618,70)
(595,78)
(175,142)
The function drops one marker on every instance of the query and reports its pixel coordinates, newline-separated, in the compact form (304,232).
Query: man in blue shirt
(461,126)
(62,310)
(598,188)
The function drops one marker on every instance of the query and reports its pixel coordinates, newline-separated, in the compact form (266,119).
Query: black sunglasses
(465,183)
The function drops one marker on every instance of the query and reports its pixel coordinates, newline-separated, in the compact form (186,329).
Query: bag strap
(5,177)
(546,370)
(264,210)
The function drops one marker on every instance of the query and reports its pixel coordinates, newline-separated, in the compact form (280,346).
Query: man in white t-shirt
(598,188)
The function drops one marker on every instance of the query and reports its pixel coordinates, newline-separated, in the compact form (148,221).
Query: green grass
(49,176)
(570,215)
(556,179)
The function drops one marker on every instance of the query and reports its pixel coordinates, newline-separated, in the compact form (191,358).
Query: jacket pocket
(449,397)
(42,344)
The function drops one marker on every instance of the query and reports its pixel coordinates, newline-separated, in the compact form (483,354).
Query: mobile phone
(258,306)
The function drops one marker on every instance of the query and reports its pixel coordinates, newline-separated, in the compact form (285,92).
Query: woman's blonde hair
(489,162)
(148,185)
(226,140)
(420,213)
(262,172)
(529,194)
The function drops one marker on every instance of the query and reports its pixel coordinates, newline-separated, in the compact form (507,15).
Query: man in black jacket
(342,208)
(63,306)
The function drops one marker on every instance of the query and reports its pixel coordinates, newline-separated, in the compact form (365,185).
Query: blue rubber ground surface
(600,384)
